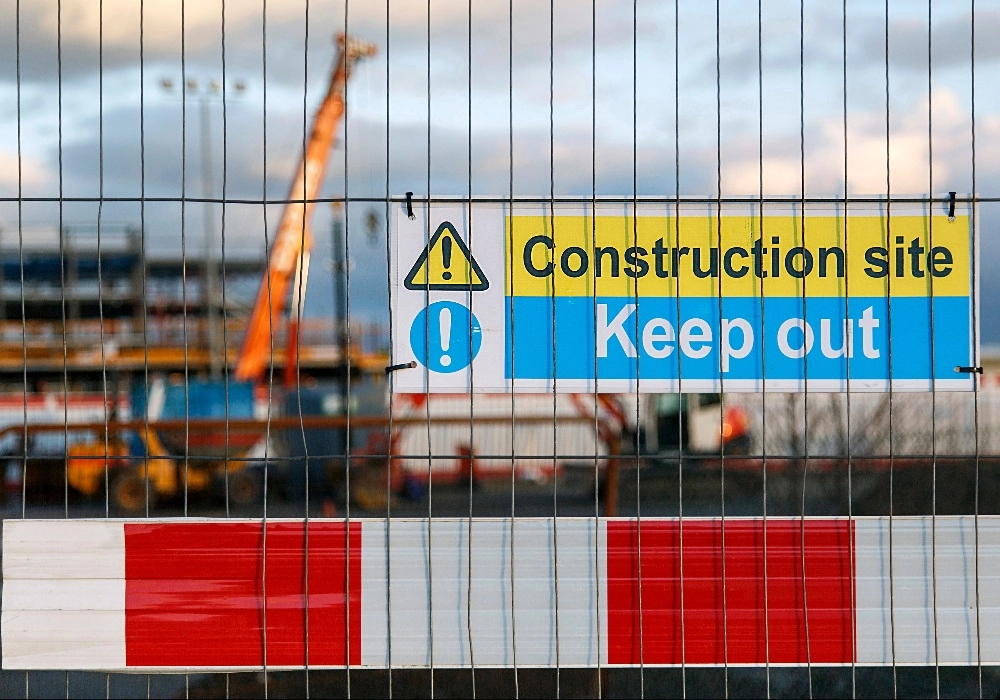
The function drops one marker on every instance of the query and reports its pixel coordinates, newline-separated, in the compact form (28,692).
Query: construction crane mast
(288,261)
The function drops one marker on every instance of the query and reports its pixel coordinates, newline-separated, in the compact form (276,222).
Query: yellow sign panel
(446,264)
(748,256)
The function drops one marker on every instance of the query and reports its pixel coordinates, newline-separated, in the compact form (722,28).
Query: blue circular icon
(446,336)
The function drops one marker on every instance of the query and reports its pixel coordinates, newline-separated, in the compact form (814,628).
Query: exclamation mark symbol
(445,326)
(446,254)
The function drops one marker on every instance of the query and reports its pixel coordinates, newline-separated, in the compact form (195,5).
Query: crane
(288,262)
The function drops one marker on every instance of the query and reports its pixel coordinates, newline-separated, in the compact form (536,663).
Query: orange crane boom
(293,241)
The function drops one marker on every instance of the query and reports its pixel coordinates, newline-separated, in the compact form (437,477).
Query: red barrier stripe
(712,629)
(194,594)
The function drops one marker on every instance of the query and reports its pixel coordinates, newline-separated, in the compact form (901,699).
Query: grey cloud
(951,41)
(286,29)
(123,162)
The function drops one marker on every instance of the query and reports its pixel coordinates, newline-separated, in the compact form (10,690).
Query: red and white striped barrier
(202,594)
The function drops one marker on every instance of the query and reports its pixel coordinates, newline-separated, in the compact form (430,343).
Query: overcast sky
(114,98)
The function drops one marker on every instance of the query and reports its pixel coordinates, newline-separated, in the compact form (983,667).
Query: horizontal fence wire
(521,199)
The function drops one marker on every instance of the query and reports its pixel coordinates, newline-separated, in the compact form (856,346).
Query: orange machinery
(288,264)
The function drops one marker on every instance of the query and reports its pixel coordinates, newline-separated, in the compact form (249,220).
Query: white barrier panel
(200,594)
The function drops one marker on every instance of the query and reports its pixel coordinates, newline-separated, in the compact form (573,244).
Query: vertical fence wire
(184,282)
(100,276)
(296,315)
(609,465)
(62,263)
(62,258)
(887,230)
(554,339)
(977,382)
(472,378)
(848,342)
(209,291)
(390,260)
(805,356)
(763,364)
(427,397)
(930,245)
(638,373)
(681,417)
(718,234)
(210,315)
(143,290)
(347,385)
(20,258)
(511,321)
(270,369)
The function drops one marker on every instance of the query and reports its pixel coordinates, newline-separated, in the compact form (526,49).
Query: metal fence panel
(222,480)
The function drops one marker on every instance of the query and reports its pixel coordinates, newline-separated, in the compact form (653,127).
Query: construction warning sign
(692,298)
(446,264)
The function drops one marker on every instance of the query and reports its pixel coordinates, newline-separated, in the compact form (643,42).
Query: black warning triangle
(446,264)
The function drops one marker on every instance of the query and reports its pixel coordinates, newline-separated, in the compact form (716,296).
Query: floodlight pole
(210,281)
(204,93)
(339,271)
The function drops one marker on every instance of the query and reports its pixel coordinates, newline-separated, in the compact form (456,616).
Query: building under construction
(83,307)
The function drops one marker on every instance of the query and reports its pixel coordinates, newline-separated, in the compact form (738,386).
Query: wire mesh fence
(647,349)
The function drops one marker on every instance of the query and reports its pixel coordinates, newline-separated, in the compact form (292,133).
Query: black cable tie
(969,370)
(406,365)
(409,210)
(951,206)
